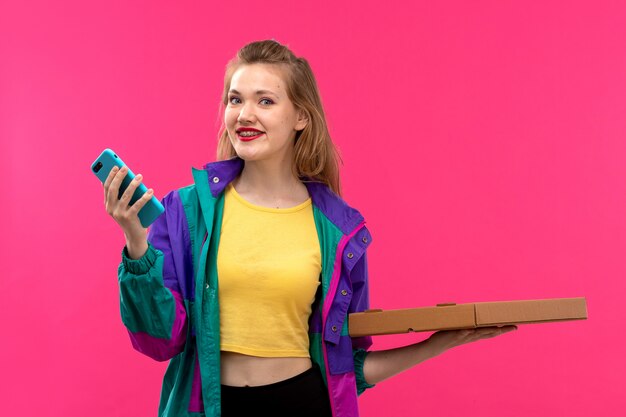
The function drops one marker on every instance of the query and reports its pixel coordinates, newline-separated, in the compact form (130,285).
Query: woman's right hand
(127,216)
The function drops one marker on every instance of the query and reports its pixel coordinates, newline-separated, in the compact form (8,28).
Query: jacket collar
(346,218)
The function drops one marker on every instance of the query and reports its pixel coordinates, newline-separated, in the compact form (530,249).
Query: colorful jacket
(169,297)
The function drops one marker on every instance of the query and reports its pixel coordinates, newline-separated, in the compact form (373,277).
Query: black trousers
(303,395)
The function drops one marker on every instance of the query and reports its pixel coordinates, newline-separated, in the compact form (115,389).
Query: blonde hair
(316,156)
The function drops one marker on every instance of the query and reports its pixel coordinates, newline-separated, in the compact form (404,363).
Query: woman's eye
(265,101)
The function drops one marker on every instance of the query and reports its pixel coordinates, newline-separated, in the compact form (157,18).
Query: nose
(246,114)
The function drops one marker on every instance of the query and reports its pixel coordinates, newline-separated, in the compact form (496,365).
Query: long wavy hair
(316,156)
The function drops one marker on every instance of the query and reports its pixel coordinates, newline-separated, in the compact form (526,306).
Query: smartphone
(102,167)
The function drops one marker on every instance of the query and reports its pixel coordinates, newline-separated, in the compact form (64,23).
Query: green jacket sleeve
(151,303)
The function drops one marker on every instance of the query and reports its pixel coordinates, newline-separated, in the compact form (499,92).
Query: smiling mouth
(248,136)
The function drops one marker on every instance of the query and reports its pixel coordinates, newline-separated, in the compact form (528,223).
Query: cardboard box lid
(530,311)
(466,316)
(423,319)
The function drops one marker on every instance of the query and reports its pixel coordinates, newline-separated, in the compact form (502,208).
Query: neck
(268,178)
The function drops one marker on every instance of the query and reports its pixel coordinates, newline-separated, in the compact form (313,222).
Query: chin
(247,154)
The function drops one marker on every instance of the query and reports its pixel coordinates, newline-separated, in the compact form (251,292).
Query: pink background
(484,142)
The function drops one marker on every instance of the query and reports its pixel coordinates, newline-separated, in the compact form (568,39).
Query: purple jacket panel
(337,210)
(221,173)
(170,230)
(360,295)
(352,293)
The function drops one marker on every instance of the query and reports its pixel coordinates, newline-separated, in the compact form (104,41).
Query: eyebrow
(257,92)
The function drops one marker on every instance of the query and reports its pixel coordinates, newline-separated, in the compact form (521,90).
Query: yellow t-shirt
(269,263)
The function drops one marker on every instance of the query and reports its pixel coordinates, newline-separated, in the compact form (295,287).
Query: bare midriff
(243,370)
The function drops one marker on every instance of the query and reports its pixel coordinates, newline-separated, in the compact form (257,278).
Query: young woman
(269,337)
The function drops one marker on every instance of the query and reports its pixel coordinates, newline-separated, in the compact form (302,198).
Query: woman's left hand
(447,339)
(382,364)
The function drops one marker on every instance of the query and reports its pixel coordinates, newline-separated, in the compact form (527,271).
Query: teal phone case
(103,165)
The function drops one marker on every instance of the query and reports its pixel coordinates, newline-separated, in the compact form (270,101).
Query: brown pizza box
(452,316)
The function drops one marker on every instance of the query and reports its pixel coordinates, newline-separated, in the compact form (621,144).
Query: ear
(303,120)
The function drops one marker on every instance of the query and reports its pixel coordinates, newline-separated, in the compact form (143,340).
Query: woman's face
(258,103)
